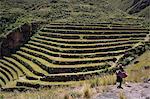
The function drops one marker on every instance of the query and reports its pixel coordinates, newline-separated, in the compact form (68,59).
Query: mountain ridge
(133,7)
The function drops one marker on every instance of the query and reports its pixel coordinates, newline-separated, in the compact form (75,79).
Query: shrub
(95,82)
(75,95)
(87,92)
(67,96)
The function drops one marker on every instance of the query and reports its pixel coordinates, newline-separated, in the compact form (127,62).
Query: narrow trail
(130,91)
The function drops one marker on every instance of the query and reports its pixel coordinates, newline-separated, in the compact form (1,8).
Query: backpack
(122,74)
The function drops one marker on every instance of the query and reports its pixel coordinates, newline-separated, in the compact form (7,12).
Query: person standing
(120,74)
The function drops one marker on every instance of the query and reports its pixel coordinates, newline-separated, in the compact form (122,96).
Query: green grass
(45,50)
(57,44)
(34,66)
(19,12)
(94,26)
(45,30)
(1,83)
(65,44)
(48,39)
(42,61)
(27,72)
(13,73)
(34,44)
(19,72)
(54,92)
(7,74)
(4,77)
(71,49)
(27,61)
(69,33)
(69,59)
(58,66)
(34,82)
(84,40)
(47,64)
(30,61)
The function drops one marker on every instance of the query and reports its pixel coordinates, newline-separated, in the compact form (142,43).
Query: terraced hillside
(17,12)
(60,54)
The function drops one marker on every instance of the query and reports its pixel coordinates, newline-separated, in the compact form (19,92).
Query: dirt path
(130,91)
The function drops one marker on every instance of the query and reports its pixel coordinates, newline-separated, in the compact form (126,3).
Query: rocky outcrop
(138,6)
(16,38)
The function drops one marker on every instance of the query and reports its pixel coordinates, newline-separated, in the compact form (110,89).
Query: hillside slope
(136,7)
(16,12)
(139,6)
(81,39)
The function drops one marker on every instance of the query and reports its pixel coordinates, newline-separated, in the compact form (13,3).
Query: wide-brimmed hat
(120,65)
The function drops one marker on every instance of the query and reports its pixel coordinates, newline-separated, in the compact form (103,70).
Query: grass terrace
(64,54)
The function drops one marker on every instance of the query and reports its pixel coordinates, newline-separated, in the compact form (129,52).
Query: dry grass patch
(87,91)
(103,81)
(53,93)
(138,75)
(122,95)
(140,71)
(67,96)
(108,80)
